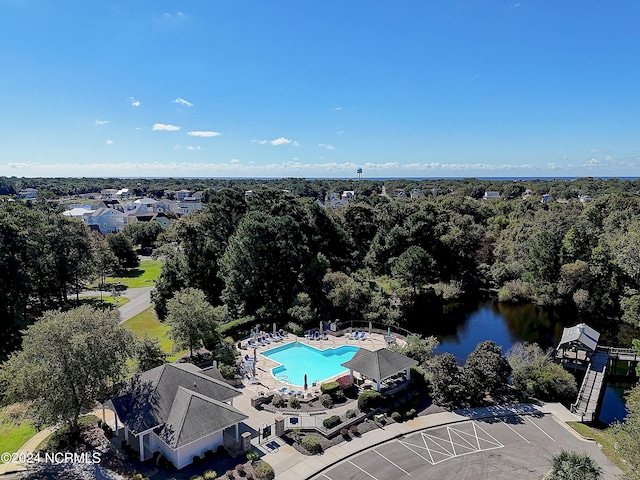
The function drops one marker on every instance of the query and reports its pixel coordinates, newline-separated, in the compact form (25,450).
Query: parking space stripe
(432,461)
(513,430)
(392,463)
(374,478)
(535,425)
(325,476)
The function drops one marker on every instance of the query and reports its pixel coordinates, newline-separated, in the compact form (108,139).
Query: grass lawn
(606,440)
(14,430)
(143,276)
(147,323)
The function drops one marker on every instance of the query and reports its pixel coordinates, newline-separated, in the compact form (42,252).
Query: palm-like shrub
(569,465)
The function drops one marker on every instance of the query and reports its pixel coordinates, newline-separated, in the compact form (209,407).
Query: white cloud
(337,109)
(191,147)
(109,142)
(206,133)
(177,147)
(261,142)
(134,102)
(340,132)
(296,144)
(593,162)
(101,122)
(327,146)
(182,101)
(165,127)
(595,150)
(235,161)
(280,141)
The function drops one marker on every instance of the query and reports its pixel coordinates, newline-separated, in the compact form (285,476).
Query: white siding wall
(184,456)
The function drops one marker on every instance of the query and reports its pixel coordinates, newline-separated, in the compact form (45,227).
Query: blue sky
(318,89)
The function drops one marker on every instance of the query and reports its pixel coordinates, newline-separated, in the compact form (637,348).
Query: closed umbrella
(305,381)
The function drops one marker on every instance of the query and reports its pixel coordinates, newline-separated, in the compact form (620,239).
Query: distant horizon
(301,89)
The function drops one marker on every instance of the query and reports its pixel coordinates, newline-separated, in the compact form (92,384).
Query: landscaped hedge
(369,399)
(312,445)
(330,387)
(264,471)
(234,326)
(332,421)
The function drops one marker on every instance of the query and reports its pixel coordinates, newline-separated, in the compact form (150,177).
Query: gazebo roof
(581,333)
(379,364)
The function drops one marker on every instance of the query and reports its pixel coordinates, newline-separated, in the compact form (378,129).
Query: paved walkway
(140,300)
(26,449)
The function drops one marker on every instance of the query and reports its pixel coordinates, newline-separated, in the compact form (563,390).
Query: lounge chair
(275,338)
(300,394)
(356,334)
(283,390)
(292,392)
(316,336)
(278,337)
(325,336)
(362,334)
(265,340)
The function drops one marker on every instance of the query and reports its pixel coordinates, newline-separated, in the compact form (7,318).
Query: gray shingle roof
(147,400)
(379,364)
(581,333)
(194,416)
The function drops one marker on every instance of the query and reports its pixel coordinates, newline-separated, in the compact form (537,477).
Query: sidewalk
(26,449)
(289,464)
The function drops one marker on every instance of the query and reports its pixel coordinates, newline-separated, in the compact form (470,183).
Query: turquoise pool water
(298,359)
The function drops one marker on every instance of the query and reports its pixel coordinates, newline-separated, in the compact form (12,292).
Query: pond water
(462,326)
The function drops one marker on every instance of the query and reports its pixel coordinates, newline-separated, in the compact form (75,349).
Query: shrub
(240,468)
(396,417)
(330,388)
(108,431)
(253,457)
(418,377)
(139,476)
(312,445)
(264,471)
(354,430)
(351,413)
(229,474)
(220,450)
(339,395)
(196,460)
(368,400)
(294,402)
(208,454)
(411,413)
(196,477)
(326,401)
(279,401)
(210,475)
(332,421)
(227,371)
(344,432)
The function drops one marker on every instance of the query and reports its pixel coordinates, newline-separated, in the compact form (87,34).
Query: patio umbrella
(255,360)
(274,328)
(321,325)
(370,327)
(305,381)
(388,331)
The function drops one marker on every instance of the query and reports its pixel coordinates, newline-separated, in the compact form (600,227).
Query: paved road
(140,301)
(509,448)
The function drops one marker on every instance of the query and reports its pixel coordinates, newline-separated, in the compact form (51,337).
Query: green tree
(148,354)
(262,264)
(122,248)
(486,370)
(302,310)
(415,267)
(192,319)
(418,348)
(144,234)
(543,260)
(68,362)
(627,434)
(173,277)
(104,260)
(348,296)
(569,465)
(447,382)
(535,373)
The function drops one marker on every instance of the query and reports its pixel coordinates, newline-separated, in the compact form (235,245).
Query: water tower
(359,173)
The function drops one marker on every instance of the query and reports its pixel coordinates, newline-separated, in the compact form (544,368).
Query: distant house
(189,205)
(109,194)
(147,202)
(416,193)
(179,410)
(491,195)
(182,194)
(76,212)
(584,198)
(197,195)
(335,201)
(28,193)
(105,220)
(123,193)
(348,194)
(166,206)
(527,194)
(578,343)
(399,193)
(546,198)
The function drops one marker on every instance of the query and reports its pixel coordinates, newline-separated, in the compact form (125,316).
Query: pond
(461,327)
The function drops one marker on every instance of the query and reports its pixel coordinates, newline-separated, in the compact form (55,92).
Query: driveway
(140,300)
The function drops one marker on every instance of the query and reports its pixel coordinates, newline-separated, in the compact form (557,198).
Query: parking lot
(514,448)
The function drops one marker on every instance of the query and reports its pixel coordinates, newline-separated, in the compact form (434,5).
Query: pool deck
(267,383)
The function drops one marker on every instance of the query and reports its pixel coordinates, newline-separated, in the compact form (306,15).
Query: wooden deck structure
(579,349)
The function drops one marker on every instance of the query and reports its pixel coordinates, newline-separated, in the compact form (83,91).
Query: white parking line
(392,463)
(535,425)
(513,430)
(325,476)
(374,478)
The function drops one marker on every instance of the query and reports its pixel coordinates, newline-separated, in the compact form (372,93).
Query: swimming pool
(297,359)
